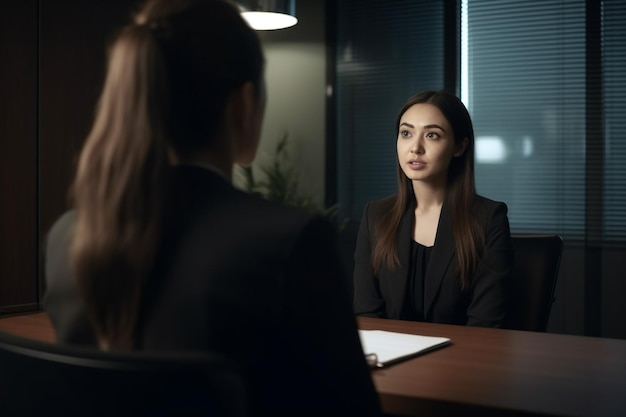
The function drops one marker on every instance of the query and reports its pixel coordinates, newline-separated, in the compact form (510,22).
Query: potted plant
(280,182)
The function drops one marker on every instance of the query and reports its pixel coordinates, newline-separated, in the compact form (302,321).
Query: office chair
(38,379)
(535,272)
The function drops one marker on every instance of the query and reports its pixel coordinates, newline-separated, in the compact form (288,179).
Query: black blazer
(246,277)
(385,294)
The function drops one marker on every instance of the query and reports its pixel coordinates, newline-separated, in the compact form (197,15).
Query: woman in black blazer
(161,252)
(435,251)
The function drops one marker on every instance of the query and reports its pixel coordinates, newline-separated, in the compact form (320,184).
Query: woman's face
(425,144)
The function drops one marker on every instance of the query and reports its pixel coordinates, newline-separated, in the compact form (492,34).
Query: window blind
(525,64)
(386,51)
(549,118)
(614,94)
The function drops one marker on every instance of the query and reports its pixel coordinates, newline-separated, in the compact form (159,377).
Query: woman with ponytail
(435,251)
(160,251)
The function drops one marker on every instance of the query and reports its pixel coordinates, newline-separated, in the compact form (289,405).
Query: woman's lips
(416,164)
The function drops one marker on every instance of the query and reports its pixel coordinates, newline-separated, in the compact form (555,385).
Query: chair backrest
(38,378)
(535,272)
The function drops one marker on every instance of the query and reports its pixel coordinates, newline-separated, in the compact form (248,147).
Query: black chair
(39,379)
(535,272)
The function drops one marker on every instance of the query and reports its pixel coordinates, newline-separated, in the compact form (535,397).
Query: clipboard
(382,348)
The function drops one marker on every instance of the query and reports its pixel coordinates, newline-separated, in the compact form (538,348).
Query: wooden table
(495,372)
(33,326)
(485,372)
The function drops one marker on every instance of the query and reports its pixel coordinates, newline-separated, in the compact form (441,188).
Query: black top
(420,255)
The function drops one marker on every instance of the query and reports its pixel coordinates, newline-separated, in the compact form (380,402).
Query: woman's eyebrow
(435,126)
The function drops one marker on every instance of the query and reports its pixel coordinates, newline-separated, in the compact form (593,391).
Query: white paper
(392,346)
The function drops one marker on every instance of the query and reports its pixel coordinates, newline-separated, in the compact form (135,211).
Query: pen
(371,359)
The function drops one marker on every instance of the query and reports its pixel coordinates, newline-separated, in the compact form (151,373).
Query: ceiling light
(269,14)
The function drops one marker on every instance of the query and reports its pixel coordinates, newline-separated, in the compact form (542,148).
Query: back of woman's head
(208,51)
(170,75)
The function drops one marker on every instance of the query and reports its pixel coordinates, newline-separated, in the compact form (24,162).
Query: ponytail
(118,187)
(169,77)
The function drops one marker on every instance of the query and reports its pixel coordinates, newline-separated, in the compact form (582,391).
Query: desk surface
(495,372)
(486,372)
(33,326)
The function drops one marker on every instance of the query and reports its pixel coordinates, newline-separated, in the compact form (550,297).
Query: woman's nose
(416,147)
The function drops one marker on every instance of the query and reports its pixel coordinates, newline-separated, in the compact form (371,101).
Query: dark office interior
(554,85)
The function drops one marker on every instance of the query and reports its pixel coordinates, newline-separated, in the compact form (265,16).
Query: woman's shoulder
(263,218)
(265,208)
(490,211)
(62,226)
(384,203)
(201,195)
(483,203)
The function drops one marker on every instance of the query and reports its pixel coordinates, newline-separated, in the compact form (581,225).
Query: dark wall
(72,53)
(18,155)
(53,55)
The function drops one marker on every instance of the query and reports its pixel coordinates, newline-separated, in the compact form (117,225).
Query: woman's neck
(428,196)
(218,159)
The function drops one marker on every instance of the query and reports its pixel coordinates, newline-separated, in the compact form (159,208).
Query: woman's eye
(404,133)
(432,135)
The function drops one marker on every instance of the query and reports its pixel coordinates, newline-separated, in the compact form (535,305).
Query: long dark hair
(460,192)
(170,73)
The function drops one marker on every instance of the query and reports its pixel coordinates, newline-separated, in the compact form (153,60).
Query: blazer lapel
(440,259)
(399,277)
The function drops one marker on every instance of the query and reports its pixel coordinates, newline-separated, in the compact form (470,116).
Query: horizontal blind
(614,75)
(386,52)
(525,68)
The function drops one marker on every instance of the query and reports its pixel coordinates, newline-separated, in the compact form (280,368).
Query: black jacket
(483,304)
(239,275)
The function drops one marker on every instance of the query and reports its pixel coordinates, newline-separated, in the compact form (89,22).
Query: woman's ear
(461,148)
(244,105)
(247,110)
